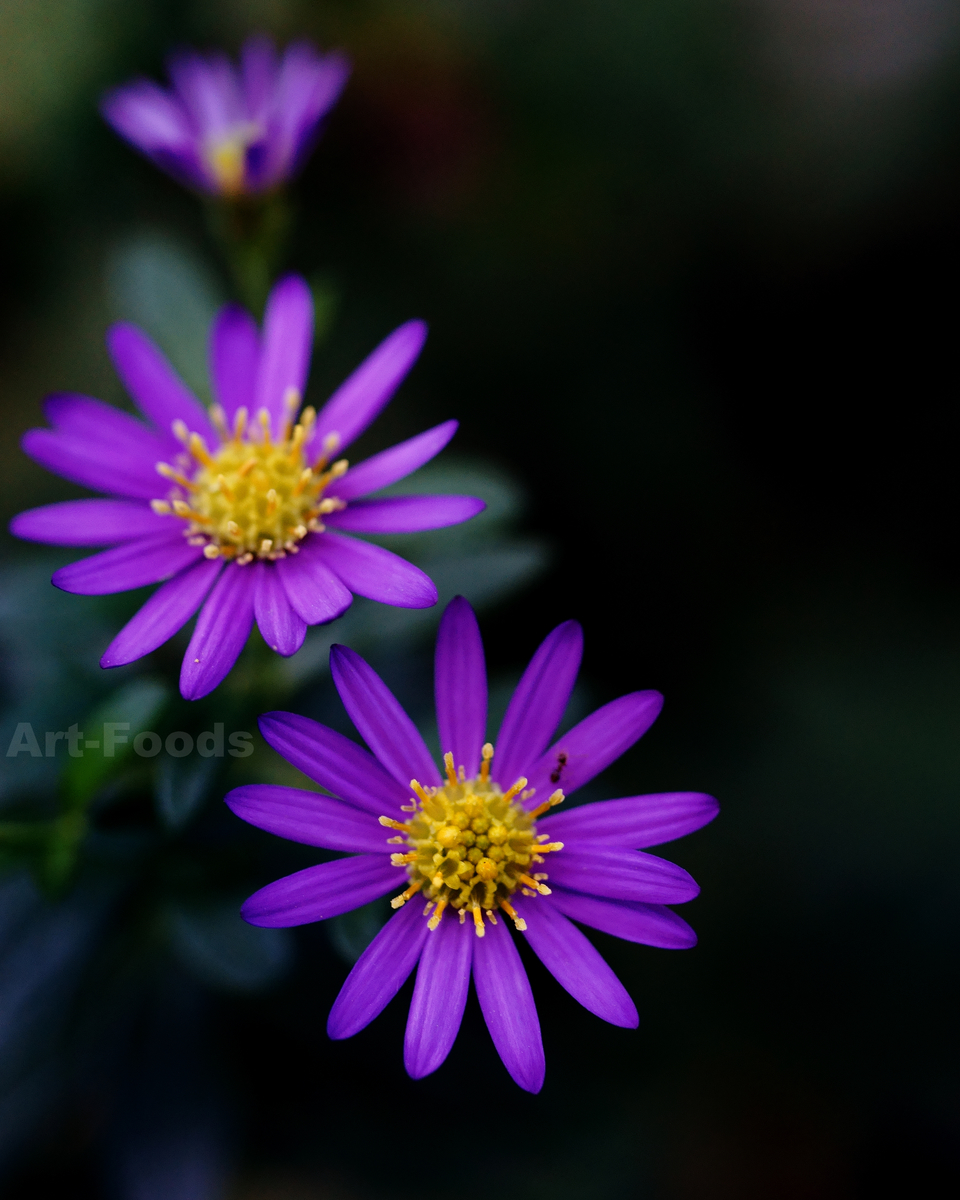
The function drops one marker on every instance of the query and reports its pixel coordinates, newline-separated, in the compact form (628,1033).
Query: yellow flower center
(252,497)
(472,846)
(227,159)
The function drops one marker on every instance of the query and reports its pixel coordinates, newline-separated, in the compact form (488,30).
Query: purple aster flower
(231,132)
(474,843)
(244,507)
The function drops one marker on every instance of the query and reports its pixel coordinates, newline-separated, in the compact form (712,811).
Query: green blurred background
(689,268)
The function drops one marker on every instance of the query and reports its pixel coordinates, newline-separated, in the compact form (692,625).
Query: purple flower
(474,843)
(231,132)
(237,507)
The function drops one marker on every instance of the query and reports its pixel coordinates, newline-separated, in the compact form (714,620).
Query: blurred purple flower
(250,502)
(226,131)
(474,842)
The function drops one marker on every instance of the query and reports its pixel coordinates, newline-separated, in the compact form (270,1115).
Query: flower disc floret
(472,846)
(251,497)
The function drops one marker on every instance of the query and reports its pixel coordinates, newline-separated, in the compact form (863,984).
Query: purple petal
(358,399)
(380,720)
(258,67)
(406,514)
(380,972)
(460,685)
(132,565)
(439,997)
(209,90)
(308,817)
(323,891)
(306,88)
(376,573)
(333,761)
(508,1008)
(88,523)
(597,870)
(396,463)
(539,702)
(283,629)
(576,964)
(159,391)
(154,121)
(234,356)
(635,821)
(88,419)
(650,924)
(220,634)
(594,744)
(168,609)
(314,591)
(287,339)
(100,467)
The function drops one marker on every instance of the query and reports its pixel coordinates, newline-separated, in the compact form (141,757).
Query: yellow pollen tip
(450,769)
(175,476)
(511,912)
(557,798)
(219,419)
(516,789)
(211,551)
(478,921)
(198,448)
(535,884)
(180,430)
(263,417)
(161,508)
(438,915)
(240,422)
(390,823)
(400,901)
(486,753)
(418,788)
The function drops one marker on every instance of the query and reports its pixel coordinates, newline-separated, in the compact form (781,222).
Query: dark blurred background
(689,268)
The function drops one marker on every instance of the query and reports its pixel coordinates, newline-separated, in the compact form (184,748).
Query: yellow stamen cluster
(227,159)
(472,846)
(251,497)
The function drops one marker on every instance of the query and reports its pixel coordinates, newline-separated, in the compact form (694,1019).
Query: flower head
(226,131)
(476,844)
(236,508)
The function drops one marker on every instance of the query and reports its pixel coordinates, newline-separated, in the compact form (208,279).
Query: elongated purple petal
(594,744)
(508,1008)
(102,467)
(597,870)
(380,719)
(287,340)
(323,891)
(101,424)
(634,822)
(359,399)
(405,514)
(439,997)
(394,464)
(168,610)
(148,116)
(539,702)
(234,359)
(159,391)
(460,684)
(132,565)
(258,68)
(336,763)
(576,964)
(649,924)
(308,817)
(220,634)
(376,573)
(314,591)
(209,89)
(379,973)
(283,629)
(88,523)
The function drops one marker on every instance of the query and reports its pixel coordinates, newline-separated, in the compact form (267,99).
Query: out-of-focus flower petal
(594,744)
(283,629)
(258,70)
(380,719)
(156,123)
(649,924)
(307,817)
(439,997)
(394,464)
(597,870)
(88,523)
(333,761)
(314,591)
(538,703)
(132,565)
(405,514)
(635,821)
(360,398)
(285,355)
(234,359)
(168,610)
(159,391)
(323,891)
(508,1008)
(576,964)
(209,90)
(460,685)
(220,634)
(379,973)
(378,574)
(100,467)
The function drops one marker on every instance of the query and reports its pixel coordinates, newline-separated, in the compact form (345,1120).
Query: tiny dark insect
(558,769)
